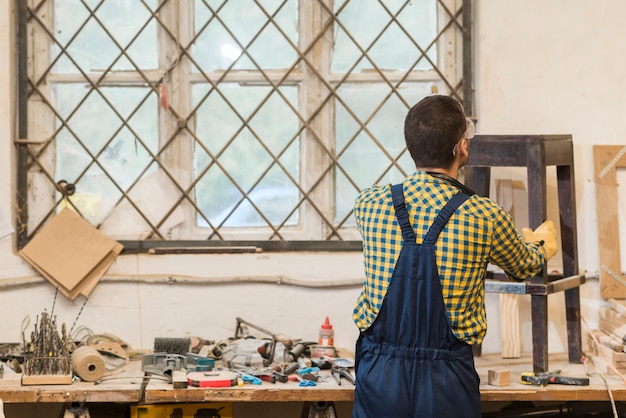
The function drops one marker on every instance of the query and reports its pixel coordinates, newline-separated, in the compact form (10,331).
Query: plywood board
(607,159)
(71,253)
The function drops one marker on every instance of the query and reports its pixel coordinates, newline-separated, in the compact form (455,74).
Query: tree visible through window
(224,120)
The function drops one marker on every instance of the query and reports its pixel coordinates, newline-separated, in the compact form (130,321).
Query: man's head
(434,129)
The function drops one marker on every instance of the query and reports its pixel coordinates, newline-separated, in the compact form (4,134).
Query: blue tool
(306,382)
(249,378)
(308,370)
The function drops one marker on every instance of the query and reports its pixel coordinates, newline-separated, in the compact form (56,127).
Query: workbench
(124,388)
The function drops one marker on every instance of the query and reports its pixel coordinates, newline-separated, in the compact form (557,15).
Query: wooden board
(499,377)
(71,253)
(607,159)
(11,380)
(509,304)
(47,379)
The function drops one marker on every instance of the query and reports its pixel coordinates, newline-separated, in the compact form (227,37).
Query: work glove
(544,232)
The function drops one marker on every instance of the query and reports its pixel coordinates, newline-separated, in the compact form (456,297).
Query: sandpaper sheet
(71,253)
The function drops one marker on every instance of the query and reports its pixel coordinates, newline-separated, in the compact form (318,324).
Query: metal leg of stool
(320,410)
(537,213)
(569,245)
(572,315)
(76,410)
(539,320)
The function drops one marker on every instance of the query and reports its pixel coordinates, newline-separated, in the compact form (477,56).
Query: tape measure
(212,379)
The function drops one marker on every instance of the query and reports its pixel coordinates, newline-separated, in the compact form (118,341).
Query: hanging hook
(67,189)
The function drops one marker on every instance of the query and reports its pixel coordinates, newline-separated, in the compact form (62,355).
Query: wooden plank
(618,305)
(607,159)
(499,377)
(612,323)
(510,325)
(46,379)
(509,303)
(613,316)
(11,380)
(608,340)
(601,365)
(611,329)
(617,359)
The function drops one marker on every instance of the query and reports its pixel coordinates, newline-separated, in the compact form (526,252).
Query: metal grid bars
(204,122)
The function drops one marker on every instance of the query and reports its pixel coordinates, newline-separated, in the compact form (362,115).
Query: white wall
(541,67)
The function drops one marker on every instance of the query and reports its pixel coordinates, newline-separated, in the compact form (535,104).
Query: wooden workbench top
(517,391)
(124,387)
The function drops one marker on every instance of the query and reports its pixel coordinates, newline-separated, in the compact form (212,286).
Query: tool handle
(281,377)
(252,379)
(557,379)
(308,370)
(531,379)
(573,381)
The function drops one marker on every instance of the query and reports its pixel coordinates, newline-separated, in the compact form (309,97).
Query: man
(427,243)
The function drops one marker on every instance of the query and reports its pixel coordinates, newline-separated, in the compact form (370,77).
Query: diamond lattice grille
(223,120)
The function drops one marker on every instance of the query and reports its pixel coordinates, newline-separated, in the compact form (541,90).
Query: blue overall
(409,363)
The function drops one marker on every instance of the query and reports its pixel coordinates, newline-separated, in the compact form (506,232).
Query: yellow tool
(555,377)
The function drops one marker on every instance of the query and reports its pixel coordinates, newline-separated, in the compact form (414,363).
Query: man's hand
(544,232)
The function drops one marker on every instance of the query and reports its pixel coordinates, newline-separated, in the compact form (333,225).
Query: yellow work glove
(544,232)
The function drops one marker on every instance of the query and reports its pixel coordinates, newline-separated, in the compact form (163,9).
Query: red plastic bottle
(327,334)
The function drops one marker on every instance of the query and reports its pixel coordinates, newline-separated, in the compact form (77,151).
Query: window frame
(32,122)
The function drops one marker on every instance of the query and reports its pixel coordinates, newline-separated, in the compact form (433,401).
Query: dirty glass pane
(97,43)
(92,129)
(369,142)
(225,29)
(249,144)
(388,31)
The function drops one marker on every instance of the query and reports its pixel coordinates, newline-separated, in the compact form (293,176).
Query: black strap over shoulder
(444,216)
(401,213)
(408,235)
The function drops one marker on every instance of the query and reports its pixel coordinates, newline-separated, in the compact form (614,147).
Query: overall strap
(443,217)
(408,235)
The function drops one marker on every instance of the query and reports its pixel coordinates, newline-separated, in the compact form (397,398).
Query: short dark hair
(432,128)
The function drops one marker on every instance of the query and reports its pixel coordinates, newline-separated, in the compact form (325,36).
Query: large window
(223,120)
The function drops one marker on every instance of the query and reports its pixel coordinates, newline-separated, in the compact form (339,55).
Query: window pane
(367,153)
(94,47)
(94,128)
(249,141)
(225,29)
(390,43)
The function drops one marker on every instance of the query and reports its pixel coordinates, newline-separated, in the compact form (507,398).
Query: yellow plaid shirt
(479,233)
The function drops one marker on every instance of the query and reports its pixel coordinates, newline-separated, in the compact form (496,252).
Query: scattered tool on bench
(247,377)
(338,372)
(267,351)
(555,377)
(306,382)
(215,378)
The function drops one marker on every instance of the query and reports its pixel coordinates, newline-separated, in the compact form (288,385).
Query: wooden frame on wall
(607,159)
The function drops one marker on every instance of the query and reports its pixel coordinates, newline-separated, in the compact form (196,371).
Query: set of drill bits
(47,353)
